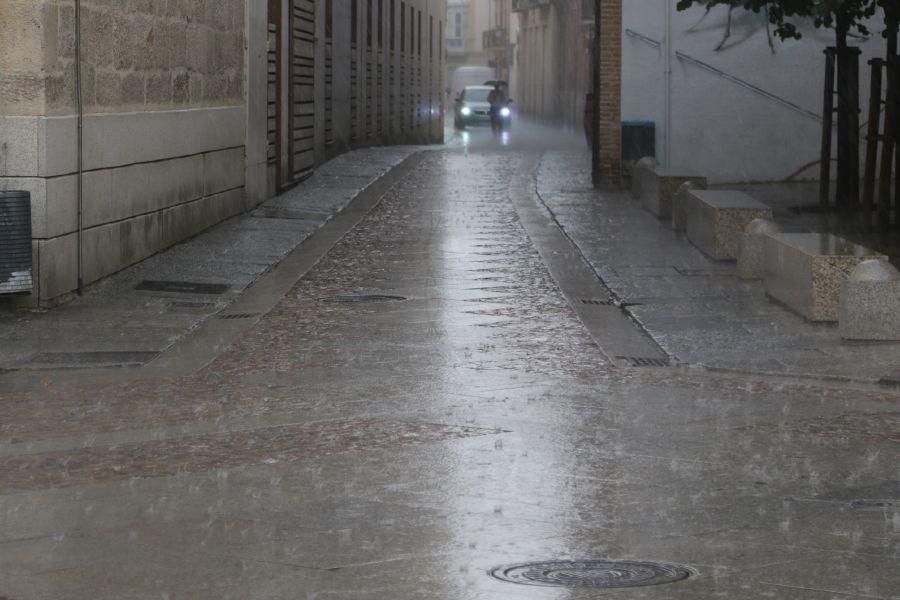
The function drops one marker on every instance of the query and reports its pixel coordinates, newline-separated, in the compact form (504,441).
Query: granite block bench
(656,186)
(806,271)
(715,220)
(870,303)
(751,249)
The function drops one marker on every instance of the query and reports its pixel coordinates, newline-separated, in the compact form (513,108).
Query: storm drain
(91,359)
(349,299)
(597,302)
(182,287)
(237,316)
(598,574)
(192,304)
(645,361)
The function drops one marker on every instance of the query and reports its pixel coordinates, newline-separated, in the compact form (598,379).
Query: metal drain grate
(182,287)
(645,361)
(237,316)
(597,574)
(349,299)
(191,304)
(892,381)
(91,358)
(597,302)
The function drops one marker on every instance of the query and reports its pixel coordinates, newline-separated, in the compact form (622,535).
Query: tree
(845,17)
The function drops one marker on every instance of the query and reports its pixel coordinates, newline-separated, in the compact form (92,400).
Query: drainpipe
(668,79)
(79,109)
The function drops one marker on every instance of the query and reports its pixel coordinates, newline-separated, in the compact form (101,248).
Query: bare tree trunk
(848,118)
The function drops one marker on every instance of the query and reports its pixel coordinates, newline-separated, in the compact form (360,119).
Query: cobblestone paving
(403,449)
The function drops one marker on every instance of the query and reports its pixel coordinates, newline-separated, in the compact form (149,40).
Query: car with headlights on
(472,108)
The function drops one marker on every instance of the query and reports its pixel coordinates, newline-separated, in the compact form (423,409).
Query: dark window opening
(329,18)
(354,21)
(403,27)
(419,16)
(393,24)
(369,23)
(431,37)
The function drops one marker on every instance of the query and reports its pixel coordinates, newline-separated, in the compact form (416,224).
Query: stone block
(638,173)
(679,201)
(870,303)
(805,271)
(56,266)
(223,171)
(658,186)
(751,249)
(715,220)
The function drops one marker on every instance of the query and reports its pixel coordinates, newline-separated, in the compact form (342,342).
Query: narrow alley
(424,408)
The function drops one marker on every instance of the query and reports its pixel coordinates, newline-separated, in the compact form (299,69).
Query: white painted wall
(717,127)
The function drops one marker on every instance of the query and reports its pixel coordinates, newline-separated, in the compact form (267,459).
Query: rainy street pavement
(426,404)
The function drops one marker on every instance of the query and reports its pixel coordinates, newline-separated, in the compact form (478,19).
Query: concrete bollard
(679,214)
(751,248)
(870,302)
(639,172)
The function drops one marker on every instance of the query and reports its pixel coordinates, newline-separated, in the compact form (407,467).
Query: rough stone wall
(22,82)
(137,55)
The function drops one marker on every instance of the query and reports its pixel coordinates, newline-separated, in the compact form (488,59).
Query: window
(354,21)
(403,27)
(369,23)
(329,18)
(420,33)
(457,26)
(380,23)
(393,24)
(431,37)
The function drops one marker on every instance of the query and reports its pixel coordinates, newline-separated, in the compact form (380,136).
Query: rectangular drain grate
(182,287)
(191,304)
(892,381)
(597,302)
(643,361)
(91,358)
(237,316)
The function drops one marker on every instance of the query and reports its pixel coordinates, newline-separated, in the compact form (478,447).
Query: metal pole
(827,122)
(79,110)
(595,116)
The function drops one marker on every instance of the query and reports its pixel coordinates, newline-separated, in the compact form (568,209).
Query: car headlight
(505,112)
(465,111)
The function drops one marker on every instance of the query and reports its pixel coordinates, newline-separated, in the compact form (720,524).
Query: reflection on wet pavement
(401,450)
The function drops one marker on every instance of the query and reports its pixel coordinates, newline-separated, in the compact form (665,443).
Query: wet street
(448,392)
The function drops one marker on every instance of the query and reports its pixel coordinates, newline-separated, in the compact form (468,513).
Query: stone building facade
(135,124)
(555,59)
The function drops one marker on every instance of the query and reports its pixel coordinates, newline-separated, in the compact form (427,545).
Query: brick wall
(610,101)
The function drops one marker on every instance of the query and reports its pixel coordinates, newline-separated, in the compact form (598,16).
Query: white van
(465,76)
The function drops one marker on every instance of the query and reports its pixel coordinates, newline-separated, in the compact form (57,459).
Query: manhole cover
(362,298)
(606,574)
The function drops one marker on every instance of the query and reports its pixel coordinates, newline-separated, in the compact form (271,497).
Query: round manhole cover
(591,573)
(362,298)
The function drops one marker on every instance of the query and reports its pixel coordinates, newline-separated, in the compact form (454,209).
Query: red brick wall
(610,101)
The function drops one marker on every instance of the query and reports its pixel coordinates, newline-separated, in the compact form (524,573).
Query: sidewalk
(132,317)
(695,308)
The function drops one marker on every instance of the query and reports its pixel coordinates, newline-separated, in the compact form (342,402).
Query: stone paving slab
(401,450)
(114,316)
(696,308)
